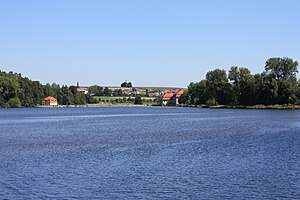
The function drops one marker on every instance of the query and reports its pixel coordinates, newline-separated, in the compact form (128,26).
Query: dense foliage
(97,90)
(277,84)
(126,84)
(138,100)
(18,91)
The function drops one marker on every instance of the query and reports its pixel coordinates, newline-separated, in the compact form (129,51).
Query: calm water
(149,153)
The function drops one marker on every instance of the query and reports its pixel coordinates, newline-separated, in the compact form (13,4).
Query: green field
(150,88)
(120,100)
(120,97)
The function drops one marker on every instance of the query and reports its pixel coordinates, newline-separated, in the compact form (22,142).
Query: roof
(49,99)
(179,93)
(168,96)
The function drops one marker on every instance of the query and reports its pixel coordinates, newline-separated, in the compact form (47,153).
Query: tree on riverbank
(277,84)
(138,100)
(18,91)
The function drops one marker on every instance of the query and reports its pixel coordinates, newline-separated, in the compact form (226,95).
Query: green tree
(96,90)
(124,84)
(242,81)
(211,102)
(267,90)
(49,91)
(296,92)
(192,93)
(90,99)
(197,92)
(107,92)
(284,71)
(9,86)
(67,96)
(118,93)
(138,100)
(218,86)
(73,89)
(15,103)
(234,77)
(282,68)
(158,101)
(79,99)
(286,92)
(246,89)
(184,98)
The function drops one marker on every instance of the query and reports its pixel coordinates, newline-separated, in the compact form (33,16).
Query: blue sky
(148,42)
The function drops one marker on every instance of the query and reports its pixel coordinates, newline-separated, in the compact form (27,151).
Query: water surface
(149,153)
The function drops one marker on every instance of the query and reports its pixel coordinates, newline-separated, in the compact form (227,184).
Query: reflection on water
(149,153)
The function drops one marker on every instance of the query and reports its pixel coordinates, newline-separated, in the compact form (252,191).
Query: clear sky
(147,42)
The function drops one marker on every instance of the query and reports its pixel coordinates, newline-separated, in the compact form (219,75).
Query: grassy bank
(121,97)
(123,101)
(274,107)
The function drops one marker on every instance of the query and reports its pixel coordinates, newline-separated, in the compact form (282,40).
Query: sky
(148,42)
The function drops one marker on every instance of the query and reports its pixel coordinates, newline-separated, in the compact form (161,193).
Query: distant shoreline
(255,107)
(91,105)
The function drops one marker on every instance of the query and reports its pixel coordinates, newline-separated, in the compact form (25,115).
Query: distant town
(117,95)
(128,90)
(168,96)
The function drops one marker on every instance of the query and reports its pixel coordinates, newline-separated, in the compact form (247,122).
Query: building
(83,90)
(49,101)
(171,98)
(178,95)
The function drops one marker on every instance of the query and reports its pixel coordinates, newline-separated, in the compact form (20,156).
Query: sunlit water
(149,153)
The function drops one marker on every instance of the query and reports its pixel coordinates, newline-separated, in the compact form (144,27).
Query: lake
(149,153)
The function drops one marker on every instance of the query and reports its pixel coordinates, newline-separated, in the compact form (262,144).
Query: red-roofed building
(171,99)
(49,101)
(178,95)
(168,99)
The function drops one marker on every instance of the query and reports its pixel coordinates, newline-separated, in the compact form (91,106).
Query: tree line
(277,84)
(18,91)
(97,90)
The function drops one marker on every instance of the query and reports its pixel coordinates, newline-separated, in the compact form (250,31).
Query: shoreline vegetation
(19,92)
(276,87)
(263,107)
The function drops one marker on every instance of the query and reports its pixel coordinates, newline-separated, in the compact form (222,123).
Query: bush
(211,102)
(14,103)
(138,100)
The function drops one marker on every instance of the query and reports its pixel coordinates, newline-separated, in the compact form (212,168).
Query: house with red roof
(171,98)
(168,99)
(49,101)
